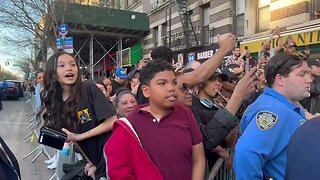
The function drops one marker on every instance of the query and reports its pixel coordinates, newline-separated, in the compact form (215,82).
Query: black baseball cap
(132,73)
(228,71)
(313,61)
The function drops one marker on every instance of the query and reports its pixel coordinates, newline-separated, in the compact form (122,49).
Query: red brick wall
(288,11)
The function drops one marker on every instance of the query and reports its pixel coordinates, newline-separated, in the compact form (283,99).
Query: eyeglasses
(184,88)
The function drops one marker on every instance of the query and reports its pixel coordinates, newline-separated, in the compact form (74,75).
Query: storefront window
(264,15)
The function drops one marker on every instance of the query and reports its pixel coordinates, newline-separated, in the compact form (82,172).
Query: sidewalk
(13,123)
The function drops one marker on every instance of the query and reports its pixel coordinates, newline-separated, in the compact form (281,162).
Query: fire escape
(190,35)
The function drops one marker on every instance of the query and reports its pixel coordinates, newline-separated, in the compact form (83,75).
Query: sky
(9,52)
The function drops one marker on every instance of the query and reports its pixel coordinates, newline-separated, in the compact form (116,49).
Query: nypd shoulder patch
(266,120)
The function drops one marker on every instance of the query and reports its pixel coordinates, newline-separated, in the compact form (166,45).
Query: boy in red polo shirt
(167,132)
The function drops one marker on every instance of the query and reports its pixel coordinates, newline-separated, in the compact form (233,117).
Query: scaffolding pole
(91,55)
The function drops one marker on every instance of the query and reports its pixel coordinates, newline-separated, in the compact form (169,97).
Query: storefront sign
(199,54)
(301,39)
(205,54)
(191,56)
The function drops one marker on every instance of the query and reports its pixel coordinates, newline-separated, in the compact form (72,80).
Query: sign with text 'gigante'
(301,39)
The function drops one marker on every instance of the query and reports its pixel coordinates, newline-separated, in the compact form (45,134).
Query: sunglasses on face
(184,88)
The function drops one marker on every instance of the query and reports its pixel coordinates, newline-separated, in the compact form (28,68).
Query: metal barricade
(219,172)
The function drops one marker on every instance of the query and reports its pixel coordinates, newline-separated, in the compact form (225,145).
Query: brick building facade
(295,18)
(250,20)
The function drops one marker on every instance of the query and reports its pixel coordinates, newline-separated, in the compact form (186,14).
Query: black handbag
(75,171)
(52,138)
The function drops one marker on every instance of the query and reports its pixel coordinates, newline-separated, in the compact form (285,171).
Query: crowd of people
(158,122)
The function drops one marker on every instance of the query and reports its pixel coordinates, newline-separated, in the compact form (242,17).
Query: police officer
(268,124)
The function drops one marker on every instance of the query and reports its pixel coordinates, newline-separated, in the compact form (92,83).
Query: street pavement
(13,128)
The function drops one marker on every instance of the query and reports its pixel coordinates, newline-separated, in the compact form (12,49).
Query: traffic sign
(68,44)
(63,29)
(60,43)
(65,43)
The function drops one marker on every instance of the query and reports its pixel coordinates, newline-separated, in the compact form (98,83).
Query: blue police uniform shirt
(267,126)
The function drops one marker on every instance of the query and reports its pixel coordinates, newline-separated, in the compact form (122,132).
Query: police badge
(266,120)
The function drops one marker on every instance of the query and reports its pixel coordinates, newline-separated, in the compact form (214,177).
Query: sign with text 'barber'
(63,29)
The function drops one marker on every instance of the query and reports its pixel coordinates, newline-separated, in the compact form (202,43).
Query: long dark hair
(52,101)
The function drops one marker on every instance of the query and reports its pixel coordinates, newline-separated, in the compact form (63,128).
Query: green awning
(102,18)
(135,53)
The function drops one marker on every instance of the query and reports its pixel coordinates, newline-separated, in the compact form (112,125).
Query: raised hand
(247,84)
(226,43)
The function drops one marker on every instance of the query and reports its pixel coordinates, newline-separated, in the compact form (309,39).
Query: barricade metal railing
(220,172)
(34,126)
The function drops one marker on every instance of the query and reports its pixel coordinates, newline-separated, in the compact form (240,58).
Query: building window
(206,22)
(264,15)
(206,16)
(164,34)
(240,9)
(155,36)
(155,3)
(315,9)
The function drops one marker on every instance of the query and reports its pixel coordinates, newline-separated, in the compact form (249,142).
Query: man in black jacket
(9,167)
(216,124)
(312,103)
